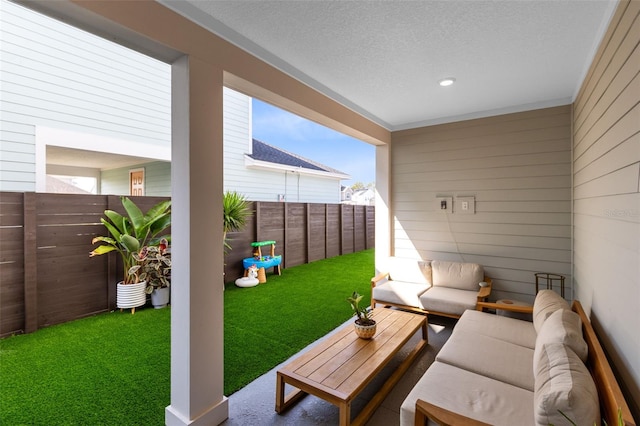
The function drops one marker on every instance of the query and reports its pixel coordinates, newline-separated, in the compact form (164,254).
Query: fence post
(113,203)
(30,263)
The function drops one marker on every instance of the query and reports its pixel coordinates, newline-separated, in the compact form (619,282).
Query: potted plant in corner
(128,234)
(154,267)
(365,326)
(235,214)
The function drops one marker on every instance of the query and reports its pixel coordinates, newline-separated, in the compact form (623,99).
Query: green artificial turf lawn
(114,368)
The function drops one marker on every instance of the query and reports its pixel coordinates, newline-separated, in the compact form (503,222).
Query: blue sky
(303,137)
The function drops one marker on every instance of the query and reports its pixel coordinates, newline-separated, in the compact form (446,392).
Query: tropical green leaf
(135,216)
(101,250)
(117,220)
(130,243)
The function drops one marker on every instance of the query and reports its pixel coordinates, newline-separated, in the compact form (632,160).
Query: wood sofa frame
(612,402)
(482,296)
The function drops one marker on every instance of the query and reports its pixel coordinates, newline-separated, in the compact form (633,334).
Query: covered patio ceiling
(384,59)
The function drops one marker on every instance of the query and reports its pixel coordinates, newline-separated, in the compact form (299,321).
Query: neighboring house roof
(264,152)
(55,185)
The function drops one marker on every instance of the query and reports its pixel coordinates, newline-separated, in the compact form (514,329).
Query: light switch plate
(465,205)
(444,204)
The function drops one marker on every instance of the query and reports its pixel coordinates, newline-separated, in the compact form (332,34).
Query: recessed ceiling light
(447,81)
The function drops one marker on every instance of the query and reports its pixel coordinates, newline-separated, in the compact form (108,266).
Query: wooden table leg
(425,331)
(279,393)
(284,402)
(345,413)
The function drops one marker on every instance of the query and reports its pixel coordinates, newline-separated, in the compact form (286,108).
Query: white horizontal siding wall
(58,76)
(518,168)
(264,185)
(606,165)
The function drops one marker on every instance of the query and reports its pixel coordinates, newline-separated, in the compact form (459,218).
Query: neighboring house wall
(518,167)
(264,185)
(157,177)
(58,76)
(606,176)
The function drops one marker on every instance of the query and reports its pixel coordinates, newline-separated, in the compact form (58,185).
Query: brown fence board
(347,229)
(296,235)
(51,234)
(334,233)
(317,231)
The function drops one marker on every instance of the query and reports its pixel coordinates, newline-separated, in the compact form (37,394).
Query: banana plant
(129,233)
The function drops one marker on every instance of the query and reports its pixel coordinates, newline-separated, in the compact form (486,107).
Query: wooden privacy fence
(47,277)
(303,232)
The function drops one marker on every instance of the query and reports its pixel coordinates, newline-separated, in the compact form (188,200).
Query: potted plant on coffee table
(127,235)
(365,326)
(154,267)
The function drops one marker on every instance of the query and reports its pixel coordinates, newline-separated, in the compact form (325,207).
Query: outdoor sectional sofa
(435,287)
(504,371)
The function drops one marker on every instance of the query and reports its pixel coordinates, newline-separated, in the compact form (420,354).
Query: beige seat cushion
(471,395)
(399,293)
(563,384)
(563,327)
(463,276)
(448,300)
(489,357)
(546,303)
(503,328)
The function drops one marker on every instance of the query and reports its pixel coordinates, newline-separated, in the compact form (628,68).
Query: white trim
(484,114)
(41,160)
(251,163)
(77,140)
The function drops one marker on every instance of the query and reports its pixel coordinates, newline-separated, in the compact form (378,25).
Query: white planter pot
(160,297)
(131,295)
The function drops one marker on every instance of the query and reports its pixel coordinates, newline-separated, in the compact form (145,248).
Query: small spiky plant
(363,314)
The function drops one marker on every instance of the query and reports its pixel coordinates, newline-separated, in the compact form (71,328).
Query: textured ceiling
(384,58)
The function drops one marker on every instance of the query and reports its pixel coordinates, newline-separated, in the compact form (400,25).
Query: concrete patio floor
(255,403)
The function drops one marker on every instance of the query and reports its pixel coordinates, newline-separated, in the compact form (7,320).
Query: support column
(383,214)
(197,363)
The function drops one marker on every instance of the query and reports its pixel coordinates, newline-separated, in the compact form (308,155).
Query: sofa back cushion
(564,387)
(546,303)
(409,270)
(463,276)
(563,327)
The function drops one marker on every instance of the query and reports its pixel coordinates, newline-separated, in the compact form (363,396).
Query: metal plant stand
(548,280)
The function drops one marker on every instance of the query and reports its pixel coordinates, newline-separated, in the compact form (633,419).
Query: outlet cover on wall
(444,204)
(465,205)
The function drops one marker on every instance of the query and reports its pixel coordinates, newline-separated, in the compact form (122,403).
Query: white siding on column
(58,76)
(518,168)
(606,165)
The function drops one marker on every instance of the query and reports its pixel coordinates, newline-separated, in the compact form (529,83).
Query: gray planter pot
(160,297)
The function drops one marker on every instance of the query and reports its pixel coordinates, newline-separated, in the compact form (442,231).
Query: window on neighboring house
(136,182)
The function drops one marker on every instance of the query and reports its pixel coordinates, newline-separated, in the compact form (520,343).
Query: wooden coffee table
(340,367)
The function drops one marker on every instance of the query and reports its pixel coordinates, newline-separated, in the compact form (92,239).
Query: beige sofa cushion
(563,327)
(510,330)
(563,383)
(464,276)
(409,270)
(399,293)
(546,303)
(472,395)
(489,357)
(448,300)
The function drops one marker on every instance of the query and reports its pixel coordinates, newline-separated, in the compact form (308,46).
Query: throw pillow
(563,385)
(563,327)
(546,303)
